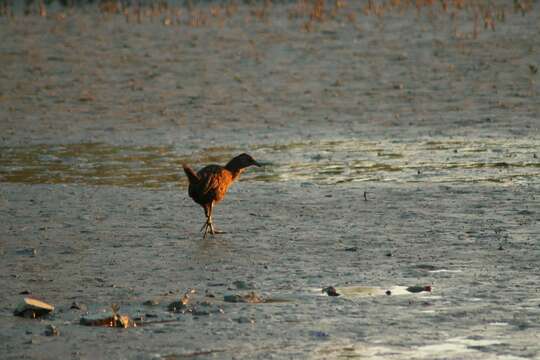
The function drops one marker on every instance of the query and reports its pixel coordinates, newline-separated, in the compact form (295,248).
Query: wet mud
(400,152)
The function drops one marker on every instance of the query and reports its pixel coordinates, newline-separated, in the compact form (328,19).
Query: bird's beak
(256,163)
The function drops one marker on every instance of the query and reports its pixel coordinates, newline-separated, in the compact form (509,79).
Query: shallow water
(320,162)
(397,104)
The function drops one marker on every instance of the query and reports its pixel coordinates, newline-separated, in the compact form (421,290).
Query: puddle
(452,348)
(459,346)
(444,271)
(354,292)
(323,162)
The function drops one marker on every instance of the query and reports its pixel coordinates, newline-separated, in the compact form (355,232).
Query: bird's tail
(192,177)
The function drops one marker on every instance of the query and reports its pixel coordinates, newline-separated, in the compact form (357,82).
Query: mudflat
(400,148)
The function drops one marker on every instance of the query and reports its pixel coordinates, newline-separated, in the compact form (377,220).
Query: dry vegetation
(485,14)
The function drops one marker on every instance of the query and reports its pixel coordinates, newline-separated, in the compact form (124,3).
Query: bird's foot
(213,231)
(207,228)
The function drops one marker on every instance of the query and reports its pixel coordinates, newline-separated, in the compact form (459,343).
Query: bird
(209,185)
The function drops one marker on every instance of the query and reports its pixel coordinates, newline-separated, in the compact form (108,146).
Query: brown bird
(209,186)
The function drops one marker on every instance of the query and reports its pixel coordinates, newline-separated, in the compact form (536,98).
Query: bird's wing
(213,182)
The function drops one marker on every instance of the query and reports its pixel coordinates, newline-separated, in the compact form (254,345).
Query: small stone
(389,254)
(151,302)
(27,252)
(388,292)
(419,288)
(244,320)
(51,330)
(108,319)
(178,307)
(101,319)
(78,306)
(31,307)
(251,298)
(232,298)
(330,291)
(319,334)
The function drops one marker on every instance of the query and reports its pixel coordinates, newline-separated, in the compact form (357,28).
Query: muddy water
(439,126)
(321,162)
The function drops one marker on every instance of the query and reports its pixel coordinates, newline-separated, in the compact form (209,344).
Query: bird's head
(240,162)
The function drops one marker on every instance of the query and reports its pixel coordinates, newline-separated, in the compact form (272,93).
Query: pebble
(330,291)
(419,288)
(32,307)
(319,334)
(51,330)
(78,306)
(151,302)
(244,320)
(251,298)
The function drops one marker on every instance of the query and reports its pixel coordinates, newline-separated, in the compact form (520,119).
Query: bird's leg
(212,229)
(208,224)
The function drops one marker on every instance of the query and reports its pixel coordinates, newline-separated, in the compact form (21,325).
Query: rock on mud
(31,307)
(419,288)
(78,306)
(51,330)
(108,319)
(151,302)
(330,291)
(251,298)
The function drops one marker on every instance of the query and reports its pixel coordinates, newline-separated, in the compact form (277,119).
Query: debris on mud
(184,306)
(31,307)
(419,288)
(51,330)
(330,291)
(251,298)
(181,306)
(108,319)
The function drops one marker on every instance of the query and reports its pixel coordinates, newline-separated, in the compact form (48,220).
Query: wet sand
(440,129)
